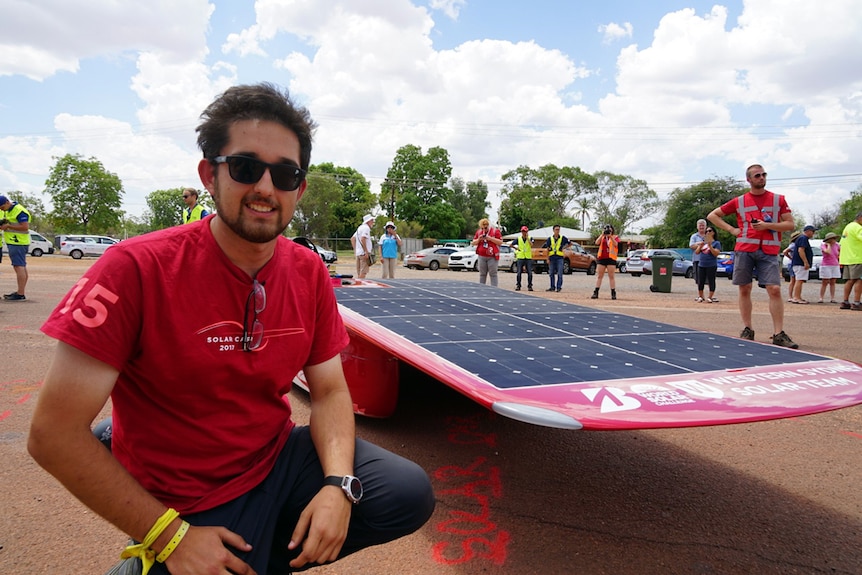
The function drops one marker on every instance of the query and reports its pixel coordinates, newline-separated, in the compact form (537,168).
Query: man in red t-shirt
(196,333)
(761,217)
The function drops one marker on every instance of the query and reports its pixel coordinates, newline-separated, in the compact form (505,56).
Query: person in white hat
(363,246)
(390,243)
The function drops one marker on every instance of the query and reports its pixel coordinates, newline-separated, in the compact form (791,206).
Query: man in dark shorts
(761,217)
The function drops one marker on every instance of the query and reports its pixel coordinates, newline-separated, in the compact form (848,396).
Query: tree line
(686,205)
(422,196)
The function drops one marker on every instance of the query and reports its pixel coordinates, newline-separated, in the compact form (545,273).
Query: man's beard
(240,224)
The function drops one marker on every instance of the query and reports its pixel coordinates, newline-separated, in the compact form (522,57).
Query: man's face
(258,212)
(701,228)
(556,231)
(756,177)
(189,198)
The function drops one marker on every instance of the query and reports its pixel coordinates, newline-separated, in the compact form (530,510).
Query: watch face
(355,488)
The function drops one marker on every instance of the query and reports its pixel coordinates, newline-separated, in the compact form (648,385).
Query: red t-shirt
(198,421)
(485,248)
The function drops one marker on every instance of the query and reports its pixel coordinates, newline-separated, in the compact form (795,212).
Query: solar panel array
(516,340)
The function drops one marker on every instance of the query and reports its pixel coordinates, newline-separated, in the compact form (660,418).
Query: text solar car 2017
(562,365)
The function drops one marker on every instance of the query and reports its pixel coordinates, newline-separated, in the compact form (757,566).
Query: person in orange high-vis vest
(609,246)
(761,217)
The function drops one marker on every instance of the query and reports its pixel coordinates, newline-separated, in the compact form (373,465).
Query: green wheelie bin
(662,273)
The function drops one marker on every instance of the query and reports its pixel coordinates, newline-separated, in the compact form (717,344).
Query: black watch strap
(333,480)
(351,486)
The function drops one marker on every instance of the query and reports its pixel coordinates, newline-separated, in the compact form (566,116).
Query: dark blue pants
(521,264)
(555,270)
(398,500)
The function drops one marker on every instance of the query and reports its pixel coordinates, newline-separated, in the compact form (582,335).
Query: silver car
(80,246)
(640,262)
(430,258)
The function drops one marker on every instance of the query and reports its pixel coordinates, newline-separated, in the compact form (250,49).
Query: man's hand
(205,550)
(322,528)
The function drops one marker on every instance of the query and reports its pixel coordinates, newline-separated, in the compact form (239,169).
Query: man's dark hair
(255,102)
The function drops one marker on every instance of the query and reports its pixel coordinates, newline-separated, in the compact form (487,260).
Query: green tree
(534,196)
(621,200)
(86,197)
(471,201)
(416,181)
(685,206)
(166,208)
(441,221)
(135,225)
(582,211)
(356,198)
(828,220)
(848,210)
(315,214)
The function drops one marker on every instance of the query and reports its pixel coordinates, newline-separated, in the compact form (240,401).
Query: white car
(467,259)
(328,256)
(80,246)
(814,272)
(39,245)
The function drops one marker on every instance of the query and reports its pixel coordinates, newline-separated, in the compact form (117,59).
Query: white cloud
(143,161)
(452,8)
(705,92)
(613,32)
(697,73)
(54,35)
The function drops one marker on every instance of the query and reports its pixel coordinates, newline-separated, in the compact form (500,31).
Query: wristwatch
(351,486)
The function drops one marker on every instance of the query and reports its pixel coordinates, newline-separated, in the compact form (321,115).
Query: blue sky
(671,92)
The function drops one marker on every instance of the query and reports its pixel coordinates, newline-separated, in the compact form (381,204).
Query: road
(773,497)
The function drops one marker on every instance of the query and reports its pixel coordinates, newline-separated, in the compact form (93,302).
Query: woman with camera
(487,241)
(609,244)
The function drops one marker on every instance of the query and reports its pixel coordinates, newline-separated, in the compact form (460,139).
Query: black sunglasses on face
(245,170)
(759,175)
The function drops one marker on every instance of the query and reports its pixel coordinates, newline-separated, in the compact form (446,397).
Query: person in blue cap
(801,261)
(16,233)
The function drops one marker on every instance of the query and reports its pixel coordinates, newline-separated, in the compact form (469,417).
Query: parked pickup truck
(574,258)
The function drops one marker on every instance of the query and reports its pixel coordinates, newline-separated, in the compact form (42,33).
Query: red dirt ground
(778,497)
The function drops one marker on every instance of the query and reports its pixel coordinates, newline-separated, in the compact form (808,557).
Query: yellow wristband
(172,544)
(144,548)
